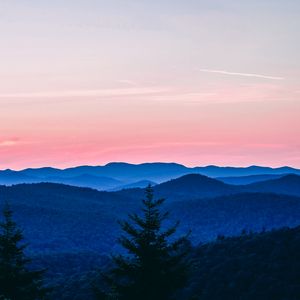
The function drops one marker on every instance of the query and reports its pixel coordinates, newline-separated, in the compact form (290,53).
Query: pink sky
(234,126)
(91,82)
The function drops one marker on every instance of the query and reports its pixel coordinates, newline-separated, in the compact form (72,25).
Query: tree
(155,265)
(17,281)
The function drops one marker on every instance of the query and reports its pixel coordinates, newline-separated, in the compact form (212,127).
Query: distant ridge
(138,184)
(196,186)
(127,174)
(289,185)
(242,180)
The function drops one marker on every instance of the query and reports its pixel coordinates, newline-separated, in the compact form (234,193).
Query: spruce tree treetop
(17,282)
(154,267)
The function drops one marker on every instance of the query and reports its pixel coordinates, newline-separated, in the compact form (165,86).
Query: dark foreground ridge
(252,266)
(263,266)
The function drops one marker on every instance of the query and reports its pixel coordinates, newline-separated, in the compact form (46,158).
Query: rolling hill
(9,177)
(58,218)
(134,185)
(193,186)
(289,185)
(129,174)
(86,180)
(243,180)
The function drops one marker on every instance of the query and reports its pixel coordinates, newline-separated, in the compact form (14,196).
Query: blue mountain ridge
(115,175)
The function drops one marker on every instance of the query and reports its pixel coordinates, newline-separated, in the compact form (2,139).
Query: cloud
(127,81)
(242,74)
(118,92)
(9,142)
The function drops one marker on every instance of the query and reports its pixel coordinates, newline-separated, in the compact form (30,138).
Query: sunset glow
(90,82)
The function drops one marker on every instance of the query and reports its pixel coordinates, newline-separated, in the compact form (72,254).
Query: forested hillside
(263,266)
(57,218)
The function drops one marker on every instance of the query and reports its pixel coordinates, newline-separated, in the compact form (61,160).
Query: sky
(195,82)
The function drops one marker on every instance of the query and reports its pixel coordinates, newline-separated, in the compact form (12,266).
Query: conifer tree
(17,282)
(155,266)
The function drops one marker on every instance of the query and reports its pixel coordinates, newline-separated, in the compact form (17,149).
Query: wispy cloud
(118,92)
(128,82)
(8,142)
(223,72)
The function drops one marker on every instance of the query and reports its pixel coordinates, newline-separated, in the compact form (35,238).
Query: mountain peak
(195,186)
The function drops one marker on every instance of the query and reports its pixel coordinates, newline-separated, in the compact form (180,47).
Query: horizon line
(153,162)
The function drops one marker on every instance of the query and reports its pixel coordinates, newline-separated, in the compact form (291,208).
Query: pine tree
(17,282)
(154,267)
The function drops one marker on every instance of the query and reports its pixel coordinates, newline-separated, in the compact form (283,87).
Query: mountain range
(116,176)
(71,230)
(196,186)
(57,217)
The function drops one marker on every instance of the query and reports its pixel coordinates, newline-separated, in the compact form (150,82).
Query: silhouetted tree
(17,282)
(155,266)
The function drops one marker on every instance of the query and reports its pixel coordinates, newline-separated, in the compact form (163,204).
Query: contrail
(241,74)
